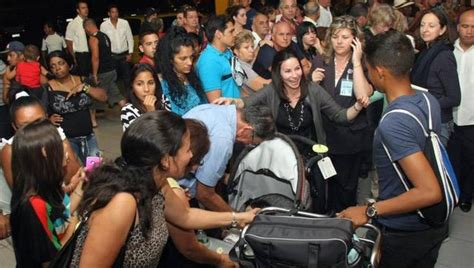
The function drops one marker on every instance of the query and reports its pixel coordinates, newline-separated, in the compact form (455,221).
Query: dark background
(26,17)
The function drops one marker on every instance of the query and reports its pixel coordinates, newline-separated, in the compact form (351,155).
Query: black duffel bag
(294,241)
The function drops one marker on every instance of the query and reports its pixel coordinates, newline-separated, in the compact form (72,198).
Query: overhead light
(15,35)
(133,15)
(69,20)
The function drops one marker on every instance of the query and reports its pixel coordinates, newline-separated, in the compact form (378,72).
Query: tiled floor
(458,252)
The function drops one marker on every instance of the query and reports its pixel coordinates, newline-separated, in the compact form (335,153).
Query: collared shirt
(325,17)
(53,42)
(463,115)
(75,32)
(257,39)
(308,19)
(221,122)
(121,36)
(215,72)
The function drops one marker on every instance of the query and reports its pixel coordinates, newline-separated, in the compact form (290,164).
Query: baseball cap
(14,46)
(150,11)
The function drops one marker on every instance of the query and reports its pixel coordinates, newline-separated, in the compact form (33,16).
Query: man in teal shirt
(213,66)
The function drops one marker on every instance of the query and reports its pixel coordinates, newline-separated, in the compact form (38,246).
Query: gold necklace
(64,87)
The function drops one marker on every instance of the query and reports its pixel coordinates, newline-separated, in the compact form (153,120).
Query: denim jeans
(85,146)
(446,131)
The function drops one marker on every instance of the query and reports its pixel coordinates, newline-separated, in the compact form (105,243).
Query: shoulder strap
(401,111)
(430,121)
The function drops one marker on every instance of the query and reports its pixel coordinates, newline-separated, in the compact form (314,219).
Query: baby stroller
(289,238)
(274,173)
(270,174)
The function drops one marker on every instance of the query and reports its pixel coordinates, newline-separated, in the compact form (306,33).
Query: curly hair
(168,47)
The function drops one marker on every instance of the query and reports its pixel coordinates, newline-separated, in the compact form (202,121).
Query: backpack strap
(401,111)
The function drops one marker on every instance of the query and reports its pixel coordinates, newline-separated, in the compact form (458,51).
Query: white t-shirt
(53,42)
(325,17)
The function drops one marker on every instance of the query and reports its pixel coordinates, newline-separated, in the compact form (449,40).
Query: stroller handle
(269,210)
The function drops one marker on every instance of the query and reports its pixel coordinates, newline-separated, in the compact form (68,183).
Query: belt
(120,54)
(82,52)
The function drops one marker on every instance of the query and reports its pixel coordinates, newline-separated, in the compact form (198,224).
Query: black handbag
(289,238)
(64,257)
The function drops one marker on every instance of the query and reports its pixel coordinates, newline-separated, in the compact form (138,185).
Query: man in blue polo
(226,124)
(213,66)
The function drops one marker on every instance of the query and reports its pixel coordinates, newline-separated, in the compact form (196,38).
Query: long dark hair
(277,81)
(133,99)
(37,165)
(167,49)
(144,144)
(301,30)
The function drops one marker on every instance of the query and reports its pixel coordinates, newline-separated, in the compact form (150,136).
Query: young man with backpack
(408,240)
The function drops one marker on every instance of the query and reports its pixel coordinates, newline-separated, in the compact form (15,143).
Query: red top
(28,74)
(147,60)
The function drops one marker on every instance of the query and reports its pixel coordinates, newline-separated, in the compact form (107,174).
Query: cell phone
(92,162)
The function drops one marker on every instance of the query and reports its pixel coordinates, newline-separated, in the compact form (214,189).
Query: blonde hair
(400,23)
(381,15)
(243,37)
(339,23)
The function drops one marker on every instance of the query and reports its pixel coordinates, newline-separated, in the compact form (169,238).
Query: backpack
(437,156)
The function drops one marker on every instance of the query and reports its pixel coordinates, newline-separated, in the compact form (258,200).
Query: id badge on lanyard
(347,85)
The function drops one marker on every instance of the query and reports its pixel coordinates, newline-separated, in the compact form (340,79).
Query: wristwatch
(371,211)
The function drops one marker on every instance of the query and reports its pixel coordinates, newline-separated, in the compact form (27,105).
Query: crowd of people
(205,87)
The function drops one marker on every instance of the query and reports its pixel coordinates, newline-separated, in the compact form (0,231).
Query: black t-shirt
(296,121)
(265,56)
(75,112)
(106,61)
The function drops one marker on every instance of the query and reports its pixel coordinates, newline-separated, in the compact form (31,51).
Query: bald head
(466,29)
(281,35)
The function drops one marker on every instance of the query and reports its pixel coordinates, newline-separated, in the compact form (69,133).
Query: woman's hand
(77,89)
(356,52)
(226,262)
(223,101)
(247,217)
(265,42)
(356,214)
(149,103)
(56,119)
(319,46)
(318,75)
(229,101)
(75,180)
(364,101)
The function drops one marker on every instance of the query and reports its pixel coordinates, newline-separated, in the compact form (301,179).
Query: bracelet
(86,88)
(357,110)
(78,194)
(234,223)
(356,66)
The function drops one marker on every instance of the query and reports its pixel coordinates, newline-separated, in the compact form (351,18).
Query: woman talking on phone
(340,72)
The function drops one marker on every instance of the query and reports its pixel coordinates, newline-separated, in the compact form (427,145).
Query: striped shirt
(130,113)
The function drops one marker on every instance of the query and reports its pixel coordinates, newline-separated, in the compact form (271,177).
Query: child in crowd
(29,73)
